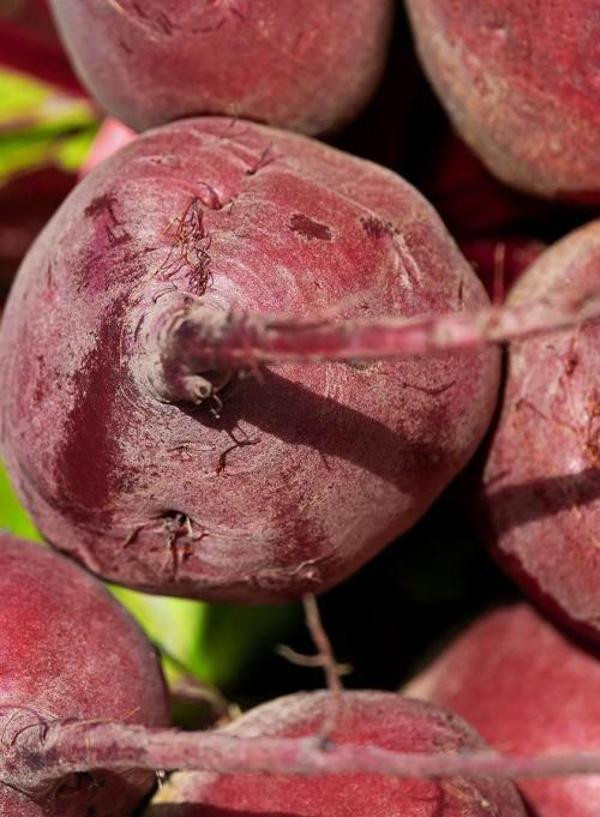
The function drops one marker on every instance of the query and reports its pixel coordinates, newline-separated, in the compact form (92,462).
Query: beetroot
(523,95)
(540,484)
(68,650)
(527,689)
(160,472)
(379,718)
(294,63)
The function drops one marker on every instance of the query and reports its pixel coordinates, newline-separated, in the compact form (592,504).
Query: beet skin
(541,483)
(529,691)
(303,472)
(523,91)
(298,64)
(380,718)
(68,650)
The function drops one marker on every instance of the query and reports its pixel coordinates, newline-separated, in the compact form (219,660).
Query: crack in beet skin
(88,470)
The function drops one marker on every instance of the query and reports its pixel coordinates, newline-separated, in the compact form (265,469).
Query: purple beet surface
(286,480)
(296,64)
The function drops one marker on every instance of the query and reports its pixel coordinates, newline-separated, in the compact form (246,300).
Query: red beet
(525,96)
(379,718)
(68,650)
(528,690)
(293,63)
(541,484)
(137,457)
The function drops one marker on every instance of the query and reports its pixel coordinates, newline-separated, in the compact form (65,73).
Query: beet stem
(198,343)
(36,753)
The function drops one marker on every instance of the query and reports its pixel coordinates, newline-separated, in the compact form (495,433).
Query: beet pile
(238,362)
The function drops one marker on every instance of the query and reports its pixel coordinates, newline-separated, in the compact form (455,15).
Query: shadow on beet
(289,411)
(516,505)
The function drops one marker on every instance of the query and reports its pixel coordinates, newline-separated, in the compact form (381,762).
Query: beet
(293,63)
(68,650)
(523,95)
(528,690)
(155,470)
(379,718)
(541,488)
(500,261)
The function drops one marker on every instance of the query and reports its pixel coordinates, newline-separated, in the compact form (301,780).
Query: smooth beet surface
(523,92)
(68,650)
(298,64)
(381,718)
(528,690)
(541,486)
(276,495)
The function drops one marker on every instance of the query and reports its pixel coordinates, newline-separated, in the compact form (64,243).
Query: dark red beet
(293,63)
(379,718)
(27,201)
(541,484)
(115,449)
(528,690)
(68,650)
(471,201)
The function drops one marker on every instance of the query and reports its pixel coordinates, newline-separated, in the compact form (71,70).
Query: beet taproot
(197,482)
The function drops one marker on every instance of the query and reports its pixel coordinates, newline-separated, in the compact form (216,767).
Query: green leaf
(20,95)
(233,635)
(13,517)
(41,126)
(175,625)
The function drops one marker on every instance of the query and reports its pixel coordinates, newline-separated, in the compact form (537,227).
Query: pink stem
(34,753)
(197,340)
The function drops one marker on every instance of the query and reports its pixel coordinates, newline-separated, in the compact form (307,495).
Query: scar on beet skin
(308,228)
(375,227)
